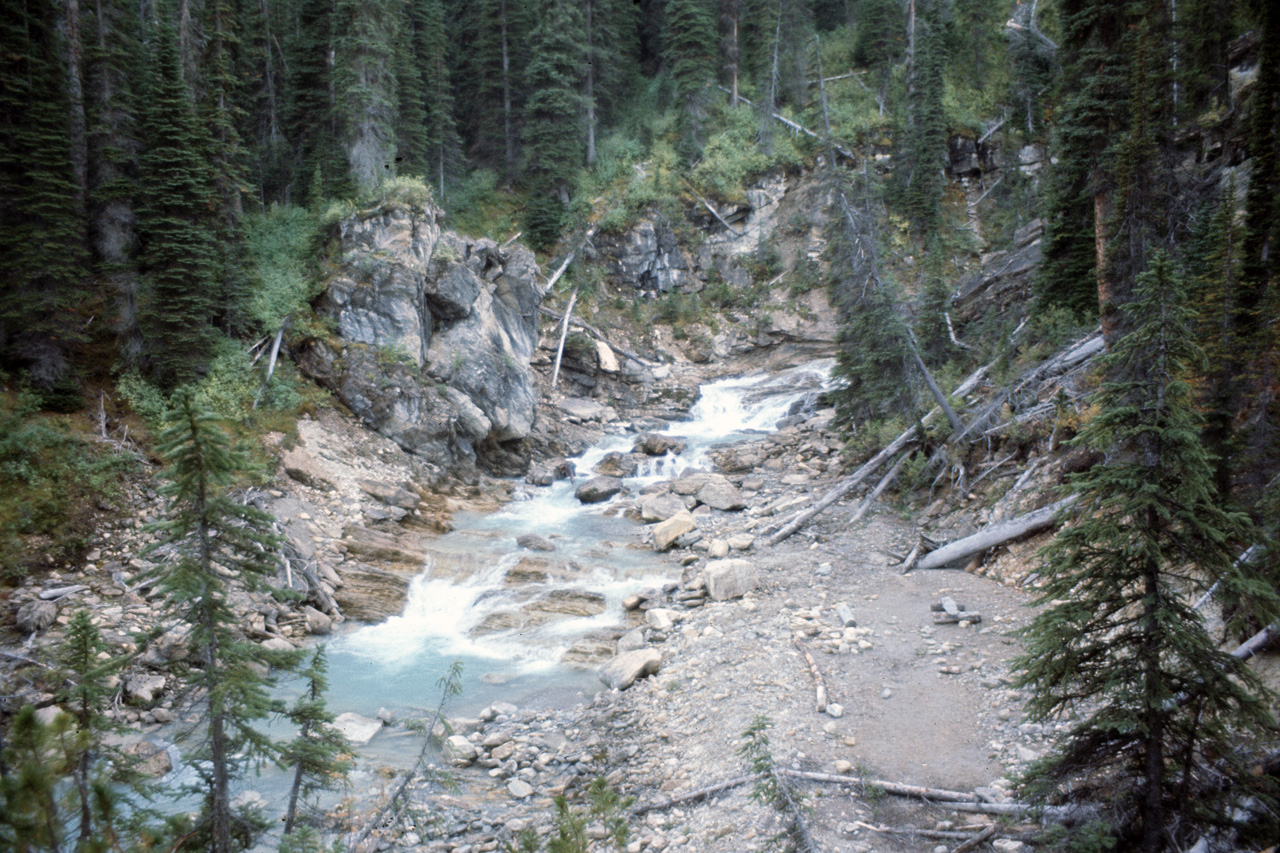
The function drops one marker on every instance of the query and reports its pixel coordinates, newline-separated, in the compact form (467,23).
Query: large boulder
(727,579)
(598,489)
(661,507)
(719,493)
(667,532)
(617,464)
(621,672)
(36,616)
(436,333)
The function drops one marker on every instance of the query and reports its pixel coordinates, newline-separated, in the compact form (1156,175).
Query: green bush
(280,245)
(51,481)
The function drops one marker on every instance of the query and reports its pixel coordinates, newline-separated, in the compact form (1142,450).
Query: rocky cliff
(433,336)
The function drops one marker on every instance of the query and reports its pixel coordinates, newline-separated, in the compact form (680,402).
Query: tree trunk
(591,86)
(75,93)
(995,534)
(507,131)
(564,334)
(1108,311)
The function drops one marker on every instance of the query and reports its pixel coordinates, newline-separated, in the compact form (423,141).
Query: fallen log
(972,843)
(564,335)
(692,796)
(884,483)
(995,534)
(853,480)
(599,336)
(895,788)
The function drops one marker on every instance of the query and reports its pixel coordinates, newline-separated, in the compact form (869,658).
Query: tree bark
(995,534)
(591,86)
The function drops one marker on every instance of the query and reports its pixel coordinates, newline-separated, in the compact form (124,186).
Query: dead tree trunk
(995,534)
(564,334)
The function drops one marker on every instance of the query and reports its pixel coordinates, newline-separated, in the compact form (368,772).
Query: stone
(608,361)
(843,766)
(495,739)
(741,541)
(587,410)
(317,622)
(729,579)
(690,484)
(718,549)
(621,672)
(153,760)
(835,710)
(550,471)
(616,464)
(660,619)
(1009,845)
(459,751)
(142,689)
(357,728)
(519,789)
(719,493)
(657,444)
(391,495)
(277,644)
(534,542)
(667,532)
(660,508)
(36,616)
(302,467)
(632,640)
(163,715)
(598,489)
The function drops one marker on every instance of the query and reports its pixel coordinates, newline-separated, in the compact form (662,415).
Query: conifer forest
(1038,241)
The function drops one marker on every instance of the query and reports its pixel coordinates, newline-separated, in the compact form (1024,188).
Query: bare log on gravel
(819,684)
(973,842)
(692,796)
(995,534)
(896,788)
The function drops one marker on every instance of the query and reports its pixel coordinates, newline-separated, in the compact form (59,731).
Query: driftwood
(845,614)
(995,534)
(692,796)
(853,480)
(819,684)
(564,335)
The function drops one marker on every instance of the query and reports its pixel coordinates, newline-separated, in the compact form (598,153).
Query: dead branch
(568,259)
(995,534)
(951,333)
(712,210)
(564,335)
(692,796)
(819,685)
(884,483)
(841,149)
(599,336)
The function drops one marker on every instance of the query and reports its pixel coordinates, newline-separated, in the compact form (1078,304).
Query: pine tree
(310,111)
(215,545)
(924,145)
(442,145)
(880,39)
(44,295)
(554,79)
(318,753)
(29,787)
(177,224)
(489,79)
(689,51)
(1118,638)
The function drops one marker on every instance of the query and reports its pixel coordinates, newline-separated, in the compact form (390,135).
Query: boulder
(317,622)
(621,672)
(727,579)
(660,618)
(390,495)
(667,532)
(36,616)
(598,489)
(587,410)
(657,444)
(302,467)
(548,472)
(660,508)
(459,751)
(519,789)
(616,464)
(356,728)
(142,689)
(152,759)
(718,493)
(690,484)
(534,542)
(587,653)
(741,541)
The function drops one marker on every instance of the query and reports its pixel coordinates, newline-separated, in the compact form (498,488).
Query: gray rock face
(437,332)
(650,260)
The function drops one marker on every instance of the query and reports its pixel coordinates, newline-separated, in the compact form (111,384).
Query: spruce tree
(310,111)
(34,765)
(880,39)
(554,79)
(923,148)
(689,51)
(45,299)
(178,227)
(366,97)
(441,143)
(215,545)
(1117,639)
(318,753)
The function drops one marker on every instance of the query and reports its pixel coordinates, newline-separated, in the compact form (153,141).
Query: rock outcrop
(434,336)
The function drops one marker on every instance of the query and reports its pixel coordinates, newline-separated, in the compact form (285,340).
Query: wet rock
(36,616)
(381,546)
(546,473)
(656,444)
(534,542)
(598,489)
(357,728)
(729,579)
(371,594)
(153,760)
(317,622)
(617,464)
(667,532)
(588,652)
(621,672)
